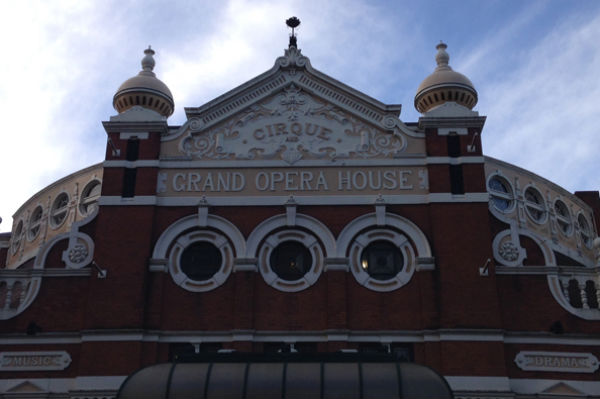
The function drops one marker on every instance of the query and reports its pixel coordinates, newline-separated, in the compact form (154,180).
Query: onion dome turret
(145,90)
(444,85)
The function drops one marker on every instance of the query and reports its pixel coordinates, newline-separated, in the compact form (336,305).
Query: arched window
(199,256)
(591,295)
(575,294)
(3,294)
(291,253)
(15,295)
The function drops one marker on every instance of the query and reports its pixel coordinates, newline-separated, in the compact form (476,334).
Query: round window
(201,260)
(35,222)
(382,260)
(18,235)
(290,260)
(534,204)
(500,193)
(584,230)
(59,210)
(89,197)
(563,217)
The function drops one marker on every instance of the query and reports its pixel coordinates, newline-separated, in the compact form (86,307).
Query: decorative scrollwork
(290,126)
(293,57)
(196,124)
(389,121)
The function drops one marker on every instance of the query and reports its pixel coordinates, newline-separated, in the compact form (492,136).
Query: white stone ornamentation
(509,251)
(566,362)
(78,253)
(34,361)
(291,126)
(293,58)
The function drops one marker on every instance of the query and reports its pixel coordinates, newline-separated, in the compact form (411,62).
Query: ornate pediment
(292,125)
(293,113)
(562,389)
(25,387)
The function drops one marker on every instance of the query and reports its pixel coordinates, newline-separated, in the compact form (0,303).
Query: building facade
(295,214)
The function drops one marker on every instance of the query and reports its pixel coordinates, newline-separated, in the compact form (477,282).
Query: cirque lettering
(292,131)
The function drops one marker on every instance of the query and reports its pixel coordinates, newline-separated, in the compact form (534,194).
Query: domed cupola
(145,90)
(444,85)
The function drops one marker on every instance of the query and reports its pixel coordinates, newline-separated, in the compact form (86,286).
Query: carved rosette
(506,251)
(80,251)
(509,251)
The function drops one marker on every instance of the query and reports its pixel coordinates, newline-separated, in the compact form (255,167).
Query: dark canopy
(285,379)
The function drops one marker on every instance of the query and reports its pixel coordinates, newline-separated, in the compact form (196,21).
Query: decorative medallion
(78,253)
(509,251)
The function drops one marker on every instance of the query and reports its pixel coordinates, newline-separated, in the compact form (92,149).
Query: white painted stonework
(26,361)
(567,362)
(290,126)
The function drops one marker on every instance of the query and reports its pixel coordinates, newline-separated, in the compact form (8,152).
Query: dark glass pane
(133,149)
(456,180)
(382,260)
(590,293)
(497,185)
(201,260)
(453,146)
(129,178)
(290,260)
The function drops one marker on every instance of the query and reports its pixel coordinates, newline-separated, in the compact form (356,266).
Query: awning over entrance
(287,379)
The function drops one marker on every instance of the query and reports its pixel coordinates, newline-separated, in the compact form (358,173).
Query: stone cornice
(50,272)
(120,127)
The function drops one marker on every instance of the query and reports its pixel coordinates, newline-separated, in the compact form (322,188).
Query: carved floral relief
(291,126)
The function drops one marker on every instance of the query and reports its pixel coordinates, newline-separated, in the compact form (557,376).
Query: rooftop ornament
(293,23)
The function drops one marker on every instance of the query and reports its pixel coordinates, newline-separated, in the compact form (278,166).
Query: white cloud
(541,116)
(64,60)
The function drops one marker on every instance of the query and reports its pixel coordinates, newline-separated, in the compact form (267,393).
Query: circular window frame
(54,210)
(400,241)
(510,196)
(587,243)
(568,220)
(86,200)
(309,241)
(537,206)
(184,241)
(37,223)
(17,237)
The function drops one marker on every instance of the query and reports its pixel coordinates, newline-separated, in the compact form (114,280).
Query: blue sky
(535,64)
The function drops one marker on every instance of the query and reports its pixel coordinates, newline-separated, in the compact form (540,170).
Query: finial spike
(148,60)
(293,23)
(442,58)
